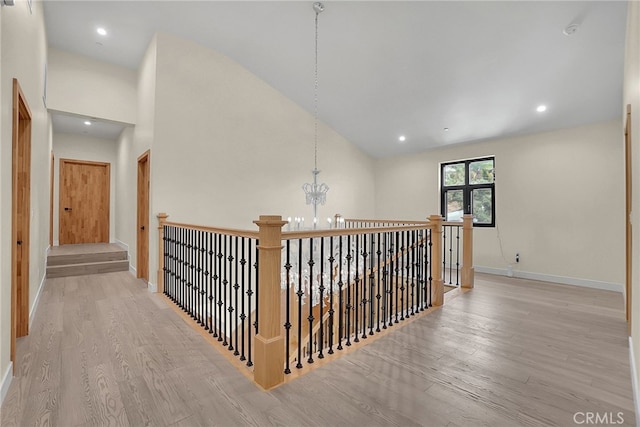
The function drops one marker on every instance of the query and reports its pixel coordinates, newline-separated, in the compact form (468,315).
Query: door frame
(60,195)
(628,226)
(142,233)
(20,216)
(51,196)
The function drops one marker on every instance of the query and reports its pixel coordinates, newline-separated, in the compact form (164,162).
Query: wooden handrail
(387,221)
(307,234)
(230,231)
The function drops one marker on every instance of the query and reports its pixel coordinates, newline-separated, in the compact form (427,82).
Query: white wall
(554,191)
(132,143)
(23,56)
(83,147)
(228,147)
(81,85)
(632,96)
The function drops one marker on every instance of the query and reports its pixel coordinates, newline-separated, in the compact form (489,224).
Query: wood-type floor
(105,351)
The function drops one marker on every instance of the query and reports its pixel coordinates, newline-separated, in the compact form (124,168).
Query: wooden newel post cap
(270,221)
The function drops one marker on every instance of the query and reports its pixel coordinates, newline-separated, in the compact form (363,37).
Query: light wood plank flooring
(104,351)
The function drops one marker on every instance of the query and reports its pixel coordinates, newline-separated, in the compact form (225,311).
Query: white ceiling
(68,123)
(479,68)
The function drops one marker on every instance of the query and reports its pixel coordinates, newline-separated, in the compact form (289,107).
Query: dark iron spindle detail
(450,255)
(236,288)
(222,246)
(249,295)
(228,297)
(321,302)
(310,299)
(331,292)
(287,324)
(444,254)
(401,268)
(200,282)
(371,281)
(385,280)
(412,263)
(395,274)
(216,287)
(210,282)
(348,306)
(458,256)
(257,267)
(340,296)
(430,267)
(378,282)
(356,288)
(300,293)
(243,316)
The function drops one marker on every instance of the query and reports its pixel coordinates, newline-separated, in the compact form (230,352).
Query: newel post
(437,287)
(269,343)
(162,218)
(468,272)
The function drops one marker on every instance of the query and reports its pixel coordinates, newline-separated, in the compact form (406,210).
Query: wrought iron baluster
(222,242)
(310,300)
(430,267)
(210,282)
(233,308)
(356,288)
(321,302)
(458,256)
(299,293)
(249,297)
(331,292)
(348,306)
(243,316)
(378,281)
(287,324)
(340,296)
(228,297)
(401,268)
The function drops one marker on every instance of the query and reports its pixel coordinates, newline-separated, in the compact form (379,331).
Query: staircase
(92,258)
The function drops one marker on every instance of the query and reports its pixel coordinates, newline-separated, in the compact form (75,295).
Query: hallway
(104,351)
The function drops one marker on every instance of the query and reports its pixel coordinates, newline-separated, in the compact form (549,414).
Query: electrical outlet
(518,257)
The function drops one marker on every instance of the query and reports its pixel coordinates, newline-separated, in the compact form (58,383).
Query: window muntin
(468,188)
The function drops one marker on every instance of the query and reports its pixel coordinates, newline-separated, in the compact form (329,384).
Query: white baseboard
(6,382)
(634,380)
(36,301)
(586,283)
(152,287)
(123,244)
(132,270)
(56,243)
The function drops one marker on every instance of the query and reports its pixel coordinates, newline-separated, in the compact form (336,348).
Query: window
(467,187)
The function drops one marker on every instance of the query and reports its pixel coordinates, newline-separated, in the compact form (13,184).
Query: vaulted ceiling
(386,69)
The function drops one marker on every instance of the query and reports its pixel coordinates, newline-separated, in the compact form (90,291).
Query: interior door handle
(19,242)
(142,228)
(67,209)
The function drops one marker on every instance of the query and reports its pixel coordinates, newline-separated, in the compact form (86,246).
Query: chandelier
(316,193)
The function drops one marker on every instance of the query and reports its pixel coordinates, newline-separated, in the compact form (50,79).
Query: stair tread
(115,261)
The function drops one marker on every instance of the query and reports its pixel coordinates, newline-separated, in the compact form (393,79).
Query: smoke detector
(570,29)
(8,2)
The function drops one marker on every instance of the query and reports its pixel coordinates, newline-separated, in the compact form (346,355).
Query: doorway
(20,215)
(142,264)
(84,202)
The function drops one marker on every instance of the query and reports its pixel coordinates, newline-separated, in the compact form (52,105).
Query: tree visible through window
(467,187)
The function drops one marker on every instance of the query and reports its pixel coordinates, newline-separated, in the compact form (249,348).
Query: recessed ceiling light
(101,31)
(87,122)
(402,138)
(541,108)
(446,129)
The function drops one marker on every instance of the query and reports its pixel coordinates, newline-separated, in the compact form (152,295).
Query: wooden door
(142,264)
(84,202)
(20,216)
(628,197)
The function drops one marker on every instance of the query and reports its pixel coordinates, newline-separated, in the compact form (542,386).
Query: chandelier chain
(315,100)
